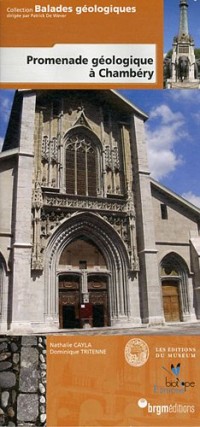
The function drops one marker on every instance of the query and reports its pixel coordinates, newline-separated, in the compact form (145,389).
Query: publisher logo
(136,352)
(142,403)
(174,408)
(174,381)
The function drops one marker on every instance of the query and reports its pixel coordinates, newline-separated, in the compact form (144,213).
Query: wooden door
(171,302)
(69,301)
(99,302)
(97,287)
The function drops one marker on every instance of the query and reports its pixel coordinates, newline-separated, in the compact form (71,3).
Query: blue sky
(172,135)
(171,21)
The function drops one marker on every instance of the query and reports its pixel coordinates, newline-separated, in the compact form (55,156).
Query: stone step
(185,85)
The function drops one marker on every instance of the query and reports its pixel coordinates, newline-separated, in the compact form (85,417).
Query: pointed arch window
(82,166)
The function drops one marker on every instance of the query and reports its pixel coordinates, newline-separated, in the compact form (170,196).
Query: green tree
(169,53)
(197,53)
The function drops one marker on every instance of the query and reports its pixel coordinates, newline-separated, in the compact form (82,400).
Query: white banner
(80,63)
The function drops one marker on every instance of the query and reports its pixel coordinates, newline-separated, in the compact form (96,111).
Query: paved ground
(22,381)
(168,329)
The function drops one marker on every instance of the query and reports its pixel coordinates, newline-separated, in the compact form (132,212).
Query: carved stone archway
(114,251)
(174,280)
(83,281)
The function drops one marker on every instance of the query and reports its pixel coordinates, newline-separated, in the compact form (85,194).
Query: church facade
(87,238)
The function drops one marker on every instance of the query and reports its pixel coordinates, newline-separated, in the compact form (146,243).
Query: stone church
(87,238)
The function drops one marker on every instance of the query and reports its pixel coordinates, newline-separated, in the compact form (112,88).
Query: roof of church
(130,104)
(171,195)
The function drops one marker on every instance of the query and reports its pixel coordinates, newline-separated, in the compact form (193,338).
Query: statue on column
(181,66)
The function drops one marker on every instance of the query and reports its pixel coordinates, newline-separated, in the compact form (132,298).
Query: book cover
(99,224)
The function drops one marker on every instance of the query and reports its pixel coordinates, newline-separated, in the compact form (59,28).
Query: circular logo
(142,403)
(136,352)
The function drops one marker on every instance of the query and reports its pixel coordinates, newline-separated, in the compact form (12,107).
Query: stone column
(23,309)
(4,298)
(149,282)
(195,282)
(134,292)
(191,316)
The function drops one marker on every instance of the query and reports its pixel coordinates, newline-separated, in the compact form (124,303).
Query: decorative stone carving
(37,203)
(49,150)
(54,150)
(37,199)
(82,119)
(120,224)
(108,158)
(61,200)
(78,142)
(49,220)
(112,161)
(45,149)
(37,263)
(125,228)
(116,161)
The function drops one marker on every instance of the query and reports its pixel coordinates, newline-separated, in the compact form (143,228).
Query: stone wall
(23,381)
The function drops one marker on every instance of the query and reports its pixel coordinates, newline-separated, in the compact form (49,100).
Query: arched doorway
(87,247)
(171,301)
(174,279)
(83,286)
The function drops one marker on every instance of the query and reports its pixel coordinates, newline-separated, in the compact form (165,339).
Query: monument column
(183,25)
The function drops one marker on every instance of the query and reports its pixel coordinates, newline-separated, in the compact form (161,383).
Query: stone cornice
(8,153)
